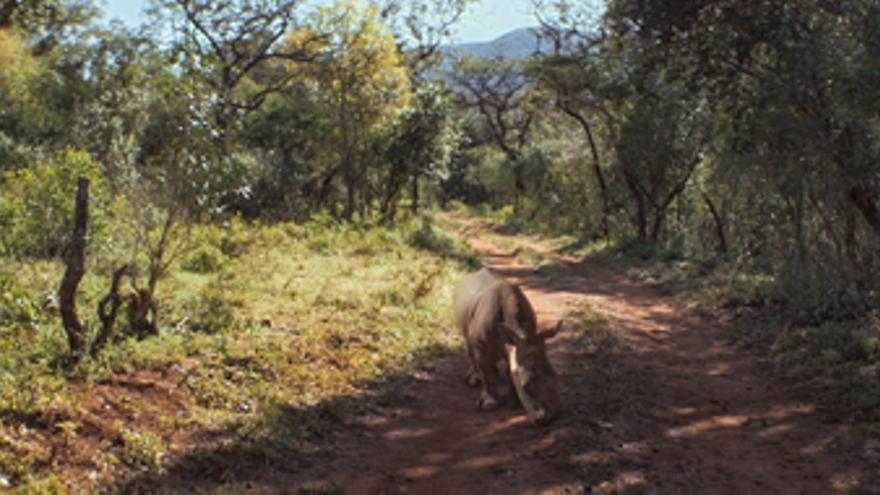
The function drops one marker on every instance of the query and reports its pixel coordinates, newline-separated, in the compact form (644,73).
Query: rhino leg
(472,377)
(510,395)
(488,375)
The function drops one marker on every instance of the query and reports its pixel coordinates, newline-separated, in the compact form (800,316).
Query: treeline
(739,134)
(261,108)
(271,110)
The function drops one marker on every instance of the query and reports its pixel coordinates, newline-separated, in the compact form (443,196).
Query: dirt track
(678,410)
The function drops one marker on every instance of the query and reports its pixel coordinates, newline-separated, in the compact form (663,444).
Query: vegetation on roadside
(265,329)
(596,331)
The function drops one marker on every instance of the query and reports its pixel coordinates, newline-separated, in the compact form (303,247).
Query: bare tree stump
(108,309)
(143,313)
(75,258)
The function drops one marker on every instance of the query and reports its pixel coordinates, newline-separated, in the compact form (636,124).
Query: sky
(484,21)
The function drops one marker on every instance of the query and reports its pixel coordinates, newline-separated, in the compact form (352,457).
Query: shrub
(213,311)
(36,204)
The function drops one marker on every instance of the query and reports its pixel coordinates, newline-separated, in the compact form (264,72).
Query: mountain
(519,43)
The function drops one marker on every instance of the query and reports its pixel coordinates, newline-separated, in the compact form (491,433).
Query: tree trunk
(324,188)
(641,211)
(863,200)
(415,194)
(719,223)
(350,192)
(108,310)
(659,218)
(663,207)
(597,166)
(75,259)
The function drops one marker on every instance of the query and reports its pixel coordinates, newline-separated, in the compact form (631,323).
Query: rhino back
(476,302)
(468,291)
(483,298)
(517,308)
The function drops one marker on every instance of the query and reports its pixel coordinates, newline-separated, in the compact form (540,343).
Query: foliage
(420,148)
(295,316)
(364,85)
(839,359)
(17,66)
(502,93)
(36,206)
(229,46)
(420,27)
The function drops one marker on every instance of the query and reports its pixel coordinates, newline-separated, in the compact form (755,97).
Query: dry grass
(268,333)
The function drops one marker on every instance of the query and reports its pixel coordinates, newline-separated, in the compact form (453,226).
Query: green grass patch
(269,334)
(595,330)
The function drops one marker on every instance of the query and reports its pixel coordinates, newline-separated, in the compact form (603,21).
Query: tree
(421,145)
(47,23)
(660,146)
(420,27)
(578,82)
(502,93)
(291,136)
(363,82)
(227,42)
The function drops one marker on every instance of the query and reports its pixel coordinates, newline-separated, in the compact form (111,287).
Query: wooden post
(75,258)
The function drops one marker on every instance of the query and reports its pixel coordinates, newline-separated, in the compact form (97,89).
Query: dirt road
(676,410)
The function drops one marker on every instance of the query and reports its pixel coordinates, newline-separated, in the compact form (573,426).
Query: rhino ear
(549,334)
(511,334)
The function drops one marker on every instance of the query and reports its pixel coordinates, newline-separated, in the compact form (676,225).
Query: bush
(213,312)
(428,237)
(37,203)
(842,357)
(19,306)
(204,258)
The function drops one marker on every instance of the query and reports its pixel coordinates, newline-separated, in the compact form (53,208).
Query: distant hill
(520,43)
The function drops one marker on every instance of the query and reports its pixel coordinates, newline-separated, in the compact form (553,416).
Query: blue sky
(484,21)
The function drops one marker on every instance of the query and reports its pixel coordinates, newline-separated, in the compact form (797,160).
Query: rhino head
(532,375)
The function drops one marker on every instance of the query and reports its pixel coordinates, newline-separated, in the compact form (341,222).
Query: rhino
(500,328)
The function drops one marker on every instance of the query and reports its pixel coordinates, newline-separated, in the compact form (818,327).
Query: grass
(523,248)
(268,333)
(596,331)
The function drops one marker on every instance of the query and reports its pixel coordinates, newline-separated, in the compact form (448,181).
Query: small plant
(594,329)
(205,258)
(144,451)
(213,312)
(426,237)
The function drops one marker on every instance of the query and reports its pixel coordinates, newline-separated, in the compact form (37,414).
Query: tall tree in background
(422,144)
(226,42)
(500,90)
(578,84)
(421,27)
(364,84)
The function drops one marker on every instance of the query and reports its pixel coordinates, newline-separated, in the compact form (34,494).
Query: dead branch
(108,309)
(75,258)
